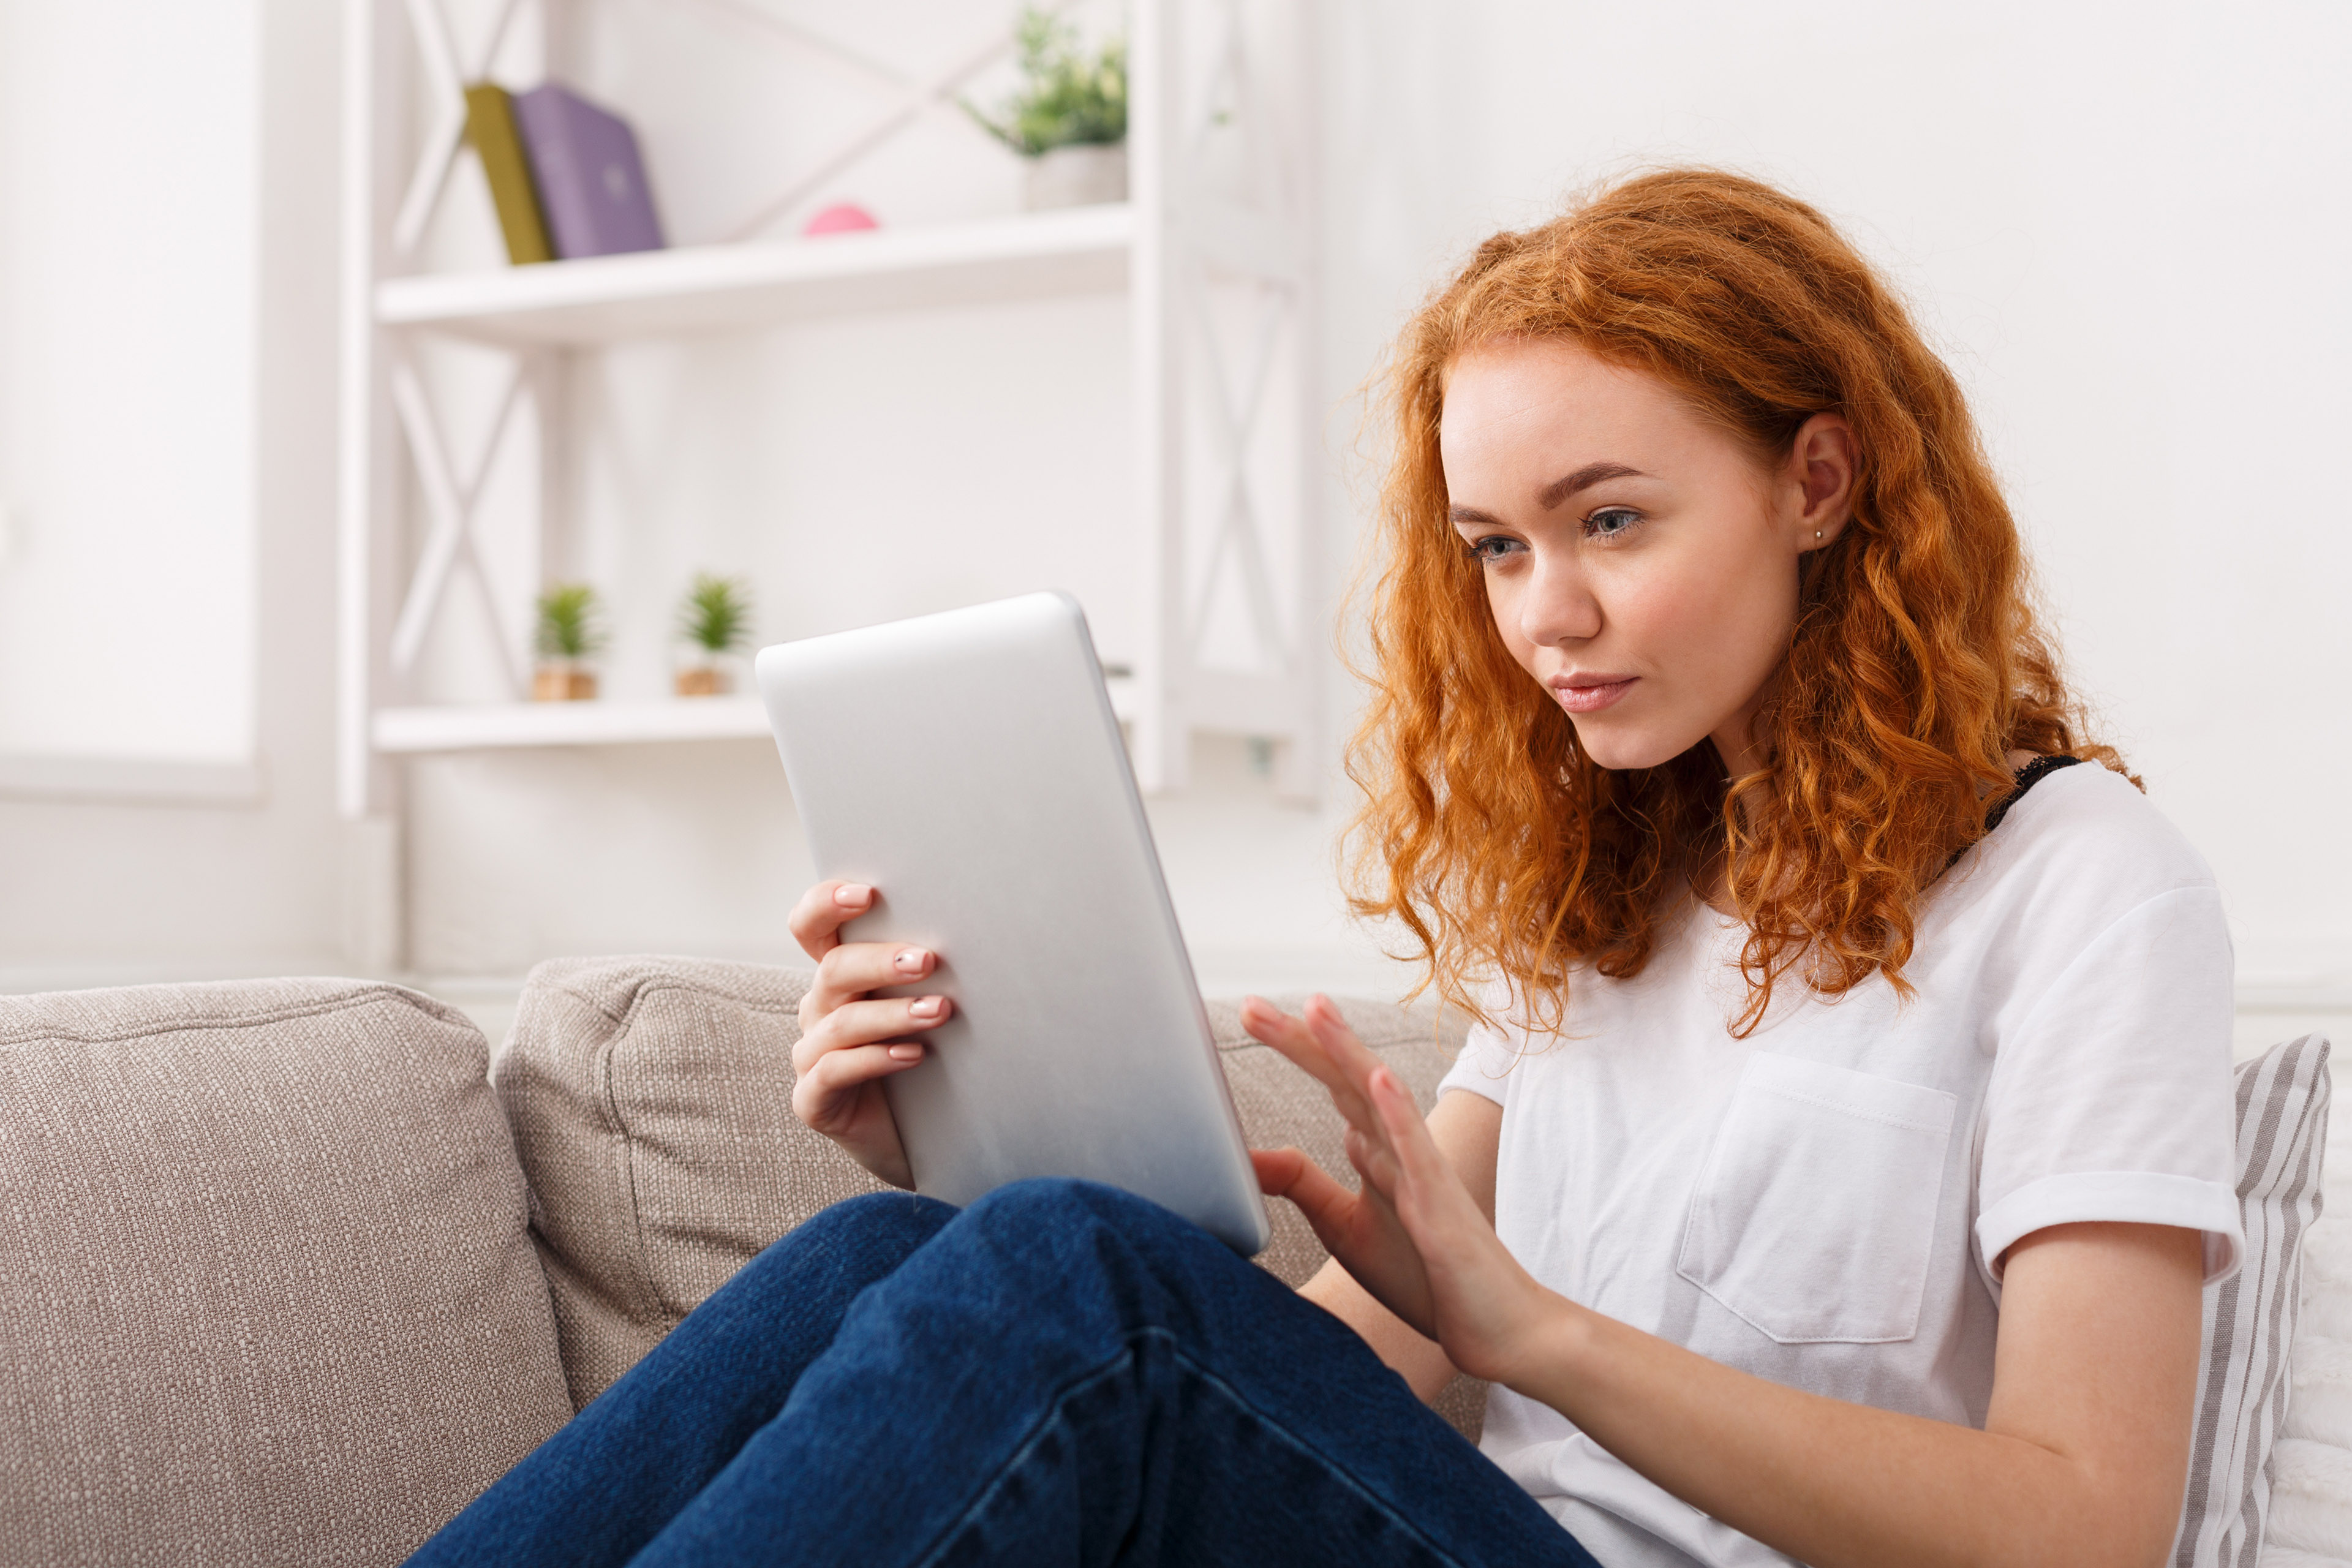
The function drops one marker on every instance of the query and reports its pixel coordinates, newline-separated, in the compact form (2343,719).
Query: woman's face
(1641,563)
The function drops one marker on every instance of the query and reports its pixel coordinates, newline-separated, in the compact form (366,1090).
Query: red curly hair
(1917,665)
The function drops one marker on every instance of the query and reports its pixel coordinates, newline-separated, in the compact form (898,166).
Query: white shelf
(476,726)
(459,727)
(608,298)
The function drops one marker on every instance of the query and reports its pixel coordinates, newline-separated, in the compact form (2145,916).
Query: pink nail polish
(927,1007)
(911,961)
(850,895)
(906,1053)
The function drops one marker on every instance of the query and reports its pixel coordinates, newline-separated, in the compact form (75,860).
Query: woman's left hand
(1413,1237)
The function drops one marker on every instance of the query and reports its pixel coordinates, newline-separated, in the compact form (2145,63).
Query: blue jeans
(1059,1374)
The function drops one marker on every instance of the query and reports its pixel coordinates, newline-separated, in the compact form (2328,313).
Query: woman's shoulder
(2084,836)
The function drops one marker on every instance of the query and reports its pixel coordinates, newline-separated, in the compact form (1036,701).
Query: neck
(1735,740)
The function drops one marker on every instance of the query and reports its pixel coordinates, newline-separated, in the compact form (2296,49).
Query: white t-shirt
(1824,1202)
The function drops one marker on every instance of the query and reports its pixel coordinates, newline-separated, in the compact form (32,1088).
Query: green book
(490,127)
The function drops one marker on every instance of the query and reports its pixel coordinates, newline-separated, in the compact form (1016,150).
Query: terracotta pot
(703,680)
(1077,177)
(556,683)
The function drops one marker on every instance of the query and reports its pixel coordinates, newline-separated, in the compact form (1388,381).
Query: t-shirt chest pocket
(1814,1215)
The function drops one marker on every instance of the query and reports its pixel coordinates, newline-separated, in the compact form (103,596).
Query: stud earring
(1817,533)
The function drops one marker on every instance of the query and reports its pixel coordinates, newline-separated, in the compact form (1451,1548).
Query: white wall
(2124,226)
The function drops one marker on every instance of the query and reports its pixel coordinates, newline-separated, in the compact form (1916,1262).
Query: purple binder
(592,184)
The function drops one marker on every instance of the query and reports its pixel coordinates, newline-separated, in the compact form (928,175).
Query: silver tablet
(969,765)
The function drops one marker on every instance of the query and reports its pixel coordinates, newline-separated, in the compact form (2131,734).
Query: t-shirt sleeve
(2112,1100)
(1484,1067)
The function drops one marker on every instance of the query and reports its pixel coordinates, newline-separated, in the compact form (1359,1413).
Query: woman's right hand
(850,1039)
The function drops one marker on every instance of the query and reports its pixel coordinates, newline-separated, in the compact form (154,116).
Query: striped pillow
(2241,1386)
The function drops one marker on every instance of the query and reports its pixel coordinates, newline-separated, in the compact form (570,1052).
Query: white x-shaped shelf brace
(452,502)
(1229,88)
(1236,526)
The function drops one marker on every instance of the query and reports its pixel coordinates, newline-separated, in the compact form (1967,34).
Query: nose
(1559,607)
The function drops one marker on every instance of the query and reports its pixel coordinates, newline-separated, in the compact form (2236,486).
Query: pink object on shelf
(842,218)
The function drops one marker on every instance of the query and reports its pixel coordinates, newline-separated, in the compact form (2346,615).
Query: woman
(1846,1139)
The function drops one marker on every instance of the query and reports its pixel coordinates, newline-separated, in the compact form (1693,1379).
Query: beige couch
(289,1273)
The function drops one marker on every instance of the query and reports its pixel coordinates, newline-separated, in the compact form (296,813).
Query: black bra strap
(2031,773)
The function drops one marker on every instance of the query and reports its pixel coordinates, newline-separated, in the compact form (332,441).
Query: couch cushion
(2243,1384)
(2310,1495)
(651,1100)
(267,1293)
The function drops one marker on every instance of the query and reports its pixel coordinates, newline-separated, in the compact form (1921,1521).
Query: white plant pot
(1077,177)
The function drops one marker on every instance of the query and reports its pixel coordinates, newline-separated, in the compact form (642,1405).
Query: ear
(1818,480)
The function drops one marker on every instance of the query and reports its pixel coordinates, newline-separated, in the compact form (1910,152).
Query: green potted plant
(715,620)
(1069,119)
(571,633)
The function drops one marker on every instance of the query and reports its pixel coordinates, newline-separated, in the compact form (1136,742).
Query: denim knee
(868,1226)
(880,1213)
(1072,1213)
(1065,1201)
(880,1216)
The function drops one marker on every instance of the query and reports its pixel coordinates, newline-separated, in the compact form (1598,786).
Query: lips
(1591,693)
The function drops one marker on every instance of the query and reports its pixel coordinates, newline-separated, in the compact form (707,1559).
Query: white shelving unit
(1167,249)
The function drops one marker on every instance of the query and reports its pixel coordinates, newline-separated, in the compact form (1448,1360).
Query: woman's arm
(1467,1129)
(2085,1448)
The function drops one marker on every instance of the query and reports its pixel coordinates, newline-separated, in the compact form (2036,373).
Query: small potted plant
(1069,119)
(715,620)
(571,632)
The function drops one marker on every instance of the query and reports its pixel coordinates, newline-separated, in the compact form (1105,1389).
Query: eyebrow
(1585,477)
(1559,490)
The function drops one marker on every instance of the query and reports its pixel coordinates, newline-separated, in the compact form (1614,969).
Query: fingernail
(850,895)
(927,1007)
(906,1053)
(911,961)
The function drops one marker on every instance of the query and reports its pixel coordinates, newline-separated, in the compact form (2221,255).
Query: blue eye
(1495,547)
(1611,521)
